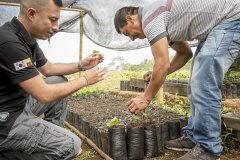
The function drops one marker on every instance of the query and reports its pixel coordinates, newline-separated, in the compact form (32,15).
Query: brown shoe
(198,153)
(181,144)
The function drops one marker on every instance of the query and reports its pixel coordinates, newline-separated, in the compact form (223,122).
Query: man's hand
(93,75)
(138,104)
(147,76)
(91,61)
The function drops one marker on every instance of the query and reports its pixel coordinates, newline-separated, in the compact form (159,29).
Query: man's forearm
(178,62)
(182,56)
(157,79)
(58,91)
(59,69)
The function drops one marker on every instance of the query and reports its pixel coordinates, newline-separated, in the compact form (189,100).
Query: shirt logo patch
(4,116)
(23,64)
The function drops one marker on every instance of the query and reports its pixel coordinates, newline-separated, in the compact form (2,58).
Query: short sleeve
(16,62)
(40,57)
(154,28)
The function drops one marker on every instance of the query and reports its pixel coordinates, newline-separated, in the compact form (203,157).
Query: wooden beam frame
(81,12)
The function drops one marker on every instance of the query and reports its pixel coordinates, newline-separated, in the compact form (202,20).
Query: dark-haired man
(216,24)
(24,95)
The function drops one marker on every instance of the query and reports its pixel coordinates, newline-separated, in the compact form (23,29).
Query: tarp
(98,21)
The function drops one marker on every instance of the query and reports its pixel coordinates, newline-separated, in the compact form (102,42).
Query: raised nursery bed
(133,138)
(232,120)
(229,90)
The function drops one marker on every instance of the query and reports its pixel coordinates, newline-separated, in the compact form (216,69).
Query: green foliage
(126,75)
(139,117)
(136,118)
(114,122)
(146,65)
(95,52)
(179,75)
(86,155)
(225,109)
(178,105)
(232,76)
(145,115)
(89,91)
(228,138)
(236,65)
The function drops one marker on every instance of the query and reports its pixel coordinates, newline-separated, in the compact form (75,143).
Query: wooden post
(159,95)
(9,4)
(81,36)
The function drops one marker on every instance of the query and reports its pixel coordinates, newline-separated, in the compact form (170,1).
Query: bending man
(216,25)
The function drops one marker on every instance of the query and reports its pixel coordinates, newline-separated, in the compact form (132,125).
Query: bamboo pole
(81,37)
(89,142)
(9,4)
(159,96)
(17,4)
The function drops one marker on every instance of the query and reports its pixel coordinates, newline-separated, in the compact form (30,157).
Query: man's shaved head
(40,17)
(37,4)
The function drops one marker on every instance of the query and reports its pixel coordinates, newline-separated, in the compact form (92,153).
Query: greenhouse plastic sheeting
(98,21)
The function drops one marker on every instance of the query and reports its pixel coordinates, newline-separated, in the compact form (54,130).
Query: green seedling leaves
(114,122)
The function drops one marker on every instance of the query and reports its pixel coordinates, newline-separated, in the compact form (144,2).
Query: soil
(233,104)
(100,109)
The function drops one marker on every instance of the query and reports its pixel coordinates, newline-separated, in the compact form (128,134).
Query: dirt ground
(233,104)
(233,153)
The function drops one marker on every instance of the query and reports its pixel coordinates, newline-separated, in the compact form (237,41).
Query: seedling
(95,52)
(126,104)
(145,115)
(229,139)
(136,118)
(114,122)
(140,117)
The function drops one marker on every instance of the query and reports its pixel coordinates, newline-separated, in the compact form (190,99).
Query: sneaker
(181,144)
(80,151)
(198,153)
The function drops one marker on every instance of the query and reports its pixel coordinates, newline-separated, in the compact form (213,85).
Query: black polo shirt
(20,55)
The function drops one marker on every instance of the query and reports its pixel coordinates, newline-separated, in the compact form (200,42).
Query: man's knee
(77,145)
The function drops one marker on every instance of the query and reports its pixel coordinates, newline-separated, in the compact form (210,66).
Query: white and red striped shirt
(185,20)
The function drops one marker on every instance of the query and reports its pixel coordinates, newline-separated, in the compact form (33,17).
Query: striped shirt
(185,20)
